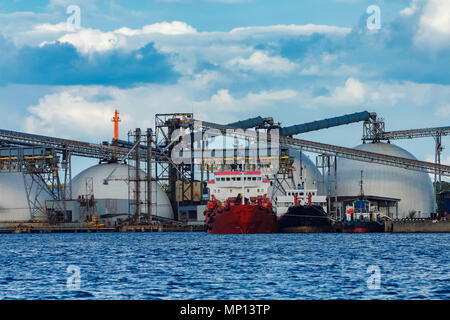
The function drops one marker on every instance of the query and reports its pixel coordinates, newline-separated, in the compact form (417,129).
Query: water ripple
(200,266)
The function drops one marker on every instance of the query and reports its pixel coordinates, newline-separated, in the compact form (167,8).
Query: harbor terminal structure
(159,175)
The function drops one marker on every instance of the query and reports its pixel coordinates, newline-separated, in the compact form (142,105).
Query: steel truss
(39,167)
(374,130)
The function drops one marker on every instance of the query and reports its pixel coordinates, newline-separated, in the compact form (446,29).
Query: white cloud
(49,28)
(167,28)
(376,95)
(85,112)
(223,101)
(292,29)
(328,65)
(172,36)
(434,25)
(261,62)
(351,94)
(413,8)
(222,97)
(90,40)
(444,111)
(68,114)
(334,70)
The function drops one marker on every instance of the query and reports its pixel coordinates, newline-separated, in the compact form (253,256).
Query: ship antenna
(361,183)
(243,180)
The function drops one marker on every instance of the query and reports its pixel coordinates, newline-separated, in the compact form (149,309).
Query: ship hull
(241,219)
(362,227)
(305,219)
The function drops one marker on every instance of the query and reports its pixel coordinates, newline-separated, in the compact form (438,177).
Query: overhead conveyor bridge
(353,154)
(104,151)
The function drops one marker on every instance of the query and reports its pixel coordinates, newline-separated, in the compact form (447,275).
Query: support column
(335,188)
(149,175)
(437,158)
(328,184)
(138,176)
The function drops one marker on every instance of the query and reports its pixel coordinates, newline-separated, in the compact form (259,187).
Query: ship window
(301,193)
(259,178)
(228,179)
(254,178)
(248,190)
(238,179)
(231,190)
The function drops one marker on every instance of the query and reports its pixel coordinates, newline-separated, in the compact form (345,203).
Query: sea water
(204,266)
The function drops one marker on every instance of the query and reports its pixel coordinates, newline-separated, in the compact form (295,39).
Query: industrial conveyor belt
(99,151)
(414,133)
(365,156)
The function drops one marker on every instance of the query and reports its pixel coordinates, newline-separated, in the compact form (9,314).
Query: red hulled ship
(239,204)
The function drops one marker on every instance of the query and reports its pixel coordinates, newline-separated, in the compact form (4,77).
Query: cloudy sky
(224,60)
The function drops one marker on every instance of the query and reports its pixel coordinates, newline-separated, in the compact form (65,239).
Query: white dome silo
(413,188)
(14,204)
(117,187)
(304,173)
(309,174)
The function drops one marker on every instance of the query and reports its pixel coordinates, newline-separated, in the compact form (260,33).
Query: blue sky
(224,60)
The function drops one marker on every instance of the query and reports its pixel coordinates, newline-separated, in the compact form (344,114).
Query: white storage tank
(304,174)
(117,187)
(14,204)
(413,188)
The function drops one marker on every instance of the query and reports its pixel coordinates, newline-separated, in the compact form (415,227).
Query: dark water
(201,266)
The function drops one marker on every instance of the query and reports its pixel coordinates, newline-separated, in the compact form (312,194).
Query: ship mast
(361,183)
(243,181)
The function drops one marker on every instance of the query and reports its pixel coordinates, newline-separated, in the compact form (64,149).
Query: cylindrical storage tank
(117,187)
(413,188)
(18,192)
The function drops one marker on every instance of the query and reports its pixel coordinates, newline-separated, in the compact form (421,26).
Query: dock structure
(417,226)
(155,227)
